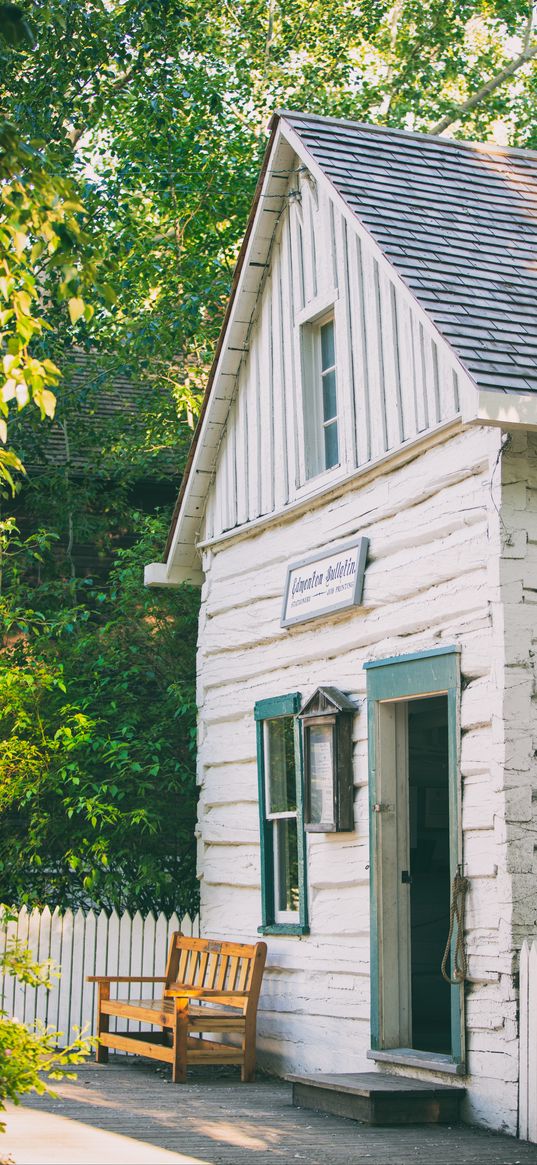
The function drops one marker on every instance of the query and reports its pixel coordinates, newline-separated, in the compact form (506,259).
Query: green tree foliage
(29,1056)
(159,111)
(154,119)
(97,736)
(45,256)
(41,247)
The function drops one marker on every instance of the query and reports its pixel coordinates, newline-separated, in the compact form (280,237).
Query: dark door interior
(429,871)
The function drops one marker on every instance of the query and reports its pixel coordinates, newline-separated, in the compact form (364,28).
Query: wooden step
(377,1098)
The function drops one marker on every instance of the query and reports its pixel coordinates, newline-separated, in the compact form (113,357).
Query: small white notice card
(321,773)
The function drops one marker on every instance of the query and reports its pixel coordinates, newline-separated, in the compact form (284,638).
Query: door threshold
(412,1058)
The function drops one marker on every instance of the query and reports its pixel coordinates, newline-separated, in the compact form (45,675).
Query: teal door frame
(398,678)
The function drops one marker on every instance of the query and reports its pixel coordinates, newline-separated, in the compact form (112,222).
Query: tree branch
(529,27)
(493,83)
(270,31)
(393,25)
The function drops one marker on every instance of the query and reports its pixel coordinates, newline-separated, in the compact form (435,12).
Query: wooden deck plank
(215,1118)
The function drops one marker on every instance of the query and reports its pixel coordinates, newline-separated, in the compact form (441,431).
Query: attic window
(320,398)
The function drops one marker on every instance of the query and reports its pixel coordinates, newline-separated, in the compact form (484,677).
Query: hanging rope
(459,891)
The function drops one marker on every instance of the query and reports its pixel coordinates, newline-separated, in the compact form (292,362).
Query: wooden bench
(208,987)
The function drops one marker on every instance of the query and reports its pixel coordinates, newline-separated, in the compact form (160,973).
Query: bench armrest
(125,978)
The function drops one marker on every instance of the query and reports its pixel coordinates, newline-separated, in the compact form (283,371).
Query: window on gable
(320,397)
(281,815)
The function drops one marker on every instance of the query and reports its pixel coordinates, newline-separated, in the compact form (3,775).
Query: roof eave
(503,408)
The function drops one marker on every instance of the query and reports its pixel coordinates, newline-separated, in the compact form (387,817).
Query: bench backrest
(222,966)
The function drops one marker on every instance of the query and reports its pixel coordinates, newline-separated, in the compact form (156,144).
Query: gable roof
(458,221)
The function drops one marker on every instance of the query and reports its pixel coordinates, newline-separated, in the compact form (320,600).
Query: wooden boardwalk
(214,1120)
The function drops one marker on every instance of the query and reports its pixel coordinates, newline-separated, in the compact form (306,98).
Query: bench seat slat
(153,1011)
(150,1010)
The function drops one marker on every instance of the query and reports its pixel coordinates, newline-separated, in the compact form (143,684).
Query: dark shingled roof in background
(107,402)
(458,221)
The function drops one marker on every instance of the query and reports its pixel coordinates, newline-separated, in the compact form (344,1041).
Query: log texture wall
(440,572)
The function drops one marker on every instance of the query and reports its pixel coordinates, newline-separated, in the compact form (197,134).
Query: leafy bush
(30,1057)
(97,734)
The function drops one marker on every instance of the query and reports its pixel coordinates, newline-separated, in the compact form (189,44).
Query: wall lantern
(329,788)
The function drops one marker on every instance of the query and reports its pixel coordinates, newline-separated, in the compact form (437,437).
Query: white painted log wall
(394,380)
(516,746)
(85,944)
(434,577)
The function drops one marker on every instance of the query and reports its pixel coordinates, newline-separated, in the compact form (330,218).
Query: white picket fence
(527,1109)
(86,944)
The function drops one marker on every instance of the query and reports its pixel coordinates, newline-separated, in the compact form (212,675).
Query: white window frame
(280,921)
(291,916)
(314,424)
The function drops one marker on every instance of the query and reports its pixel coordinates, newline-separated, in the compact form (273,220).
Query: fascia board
(506,410)
(157,574)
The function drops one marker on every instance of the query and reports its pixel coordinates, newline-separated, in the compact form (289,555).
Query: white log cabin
(360,512)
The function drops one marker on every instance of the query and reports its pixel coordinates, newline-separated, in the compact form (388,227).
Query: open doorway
(415,850)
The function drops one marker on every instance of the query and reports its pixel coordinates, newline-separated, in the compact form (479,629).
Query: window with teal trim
(283,841)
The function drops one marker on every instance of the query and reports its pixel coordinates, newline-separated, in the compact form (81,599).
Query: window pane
(331,452)
(280,761)
(286,862)
(328,352)
(329,396)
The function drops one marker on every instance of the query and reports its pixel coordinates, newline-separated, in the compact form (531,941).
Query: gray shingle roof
(458,221)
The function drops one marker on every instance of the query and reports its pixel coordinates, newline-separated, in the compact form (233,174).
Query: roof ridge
(456,143)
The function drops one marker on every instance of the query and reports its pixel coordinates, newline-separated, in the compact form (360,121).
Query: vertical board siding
(332,216)
(528,1043)
(389,363)
(395,381)
(346,360)
(80,945)
(397,363)
(281,474)
(374,386)
(310,256)
(292,355)
(363,408)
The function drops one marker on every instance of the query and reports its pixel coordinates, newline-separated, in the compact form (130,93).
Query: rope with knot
(459,891)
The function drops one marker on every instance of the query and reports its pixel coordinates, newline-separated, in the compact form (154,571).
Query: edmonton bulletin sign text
(327,581)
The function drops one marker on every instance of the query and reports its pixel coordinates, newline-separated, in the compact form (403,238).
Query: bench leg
(103,1023)
(180,1034)
(248,1062)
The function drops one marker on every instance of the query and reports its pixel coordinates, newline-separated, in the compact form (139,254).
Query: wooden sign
(325,582)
